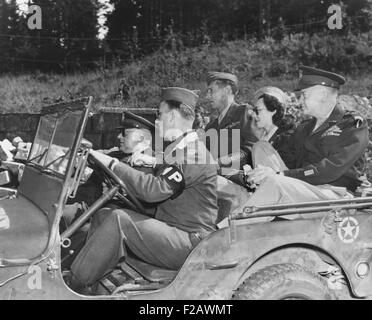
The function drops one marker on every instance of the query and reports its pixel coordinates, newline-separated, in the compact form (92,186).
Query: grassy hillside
(28,93)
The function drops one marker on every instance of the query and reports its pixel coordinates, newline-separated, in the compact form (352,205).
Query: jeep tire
(284,282)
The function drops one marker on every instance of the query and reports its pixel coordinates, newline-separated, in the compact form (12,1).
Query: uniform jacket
(329,154)
(237,117)
(185,186)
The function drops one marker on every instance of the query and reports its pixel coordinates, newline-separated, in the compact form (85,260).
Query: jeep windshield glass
(54,140)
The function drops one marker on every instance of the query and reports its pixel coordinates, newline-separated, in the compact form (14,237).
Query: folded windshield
(54,140)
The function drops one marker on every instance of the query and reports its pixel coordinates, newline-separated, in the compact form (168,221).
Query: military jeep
(325,253)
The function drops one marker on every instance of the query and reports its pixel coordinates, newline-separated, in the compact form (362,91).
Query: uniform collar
(335,116)
(181,142)
(185,139)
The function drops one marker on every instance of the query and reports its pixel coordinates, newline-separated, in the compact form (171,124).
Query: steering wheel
(112,179)
(116,188)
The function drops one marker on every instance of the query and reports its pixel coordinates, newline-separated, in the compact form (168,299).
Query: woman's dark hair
(272,104)
(282,121)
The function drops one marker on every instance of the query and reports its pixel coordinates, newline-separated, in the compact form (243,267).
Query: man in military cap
(135,138)
(184,185)
(322,153)
(222,89)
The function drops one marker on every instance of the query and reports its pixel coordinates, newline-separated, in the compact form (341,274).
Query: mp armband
(175,179)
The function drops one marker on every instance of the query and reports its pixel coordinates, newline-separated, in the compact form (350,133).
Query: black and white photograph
(209,151)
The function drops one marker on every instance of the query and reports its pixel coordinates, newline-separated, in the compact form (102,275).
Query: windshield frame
(83,104)
(58,110)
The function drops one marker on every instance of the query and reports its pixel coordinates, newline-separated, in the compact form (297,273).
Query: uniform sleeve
(168,183)
(286,147)
(249,133)
(350,147)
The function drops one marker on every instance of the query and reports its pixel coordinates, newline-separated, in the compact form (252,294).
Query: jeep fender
(310,257)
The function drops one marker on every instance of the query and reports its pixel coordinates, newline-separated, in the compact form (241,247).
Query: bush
(345,54)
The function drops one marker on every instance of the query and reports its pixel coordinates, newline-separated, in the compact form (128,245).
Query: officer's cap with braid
(134,121)
(312,77)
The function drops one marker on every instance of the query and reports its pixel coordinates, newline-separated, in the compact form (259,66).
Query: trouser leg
(230,196)
(151,240)
(101,253)
(277,189)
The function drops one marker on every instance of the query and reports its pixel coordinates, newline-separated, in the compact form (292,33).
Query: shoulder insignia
(175,179)
(332,131)
(356,119)
(309,172)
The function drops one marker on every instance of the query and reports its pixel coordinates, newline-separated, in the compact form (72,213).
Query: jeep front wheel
(283,282)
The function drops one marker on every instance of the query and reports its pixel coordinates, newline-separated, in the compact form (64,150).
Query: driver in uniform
(185,186)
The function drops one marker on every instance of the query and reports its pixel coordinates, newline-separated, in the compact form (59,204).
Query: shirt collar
(337,114)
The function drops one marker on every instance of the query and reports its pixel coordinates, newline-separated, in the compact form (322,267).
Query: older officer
(136,137)
(187,194)
(222,88)
(322,154)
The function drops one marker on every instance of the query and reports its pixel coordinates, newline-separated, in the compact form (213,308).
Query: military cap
(184,96)
(134,121)
(271,91)
(312,76)
(212,76)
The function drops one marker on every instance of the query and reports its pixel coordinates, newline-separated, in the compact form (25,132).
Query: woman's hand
(259,174)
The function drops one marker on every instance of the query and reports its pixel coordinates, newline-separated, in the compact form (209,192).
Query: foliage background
(123,51)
